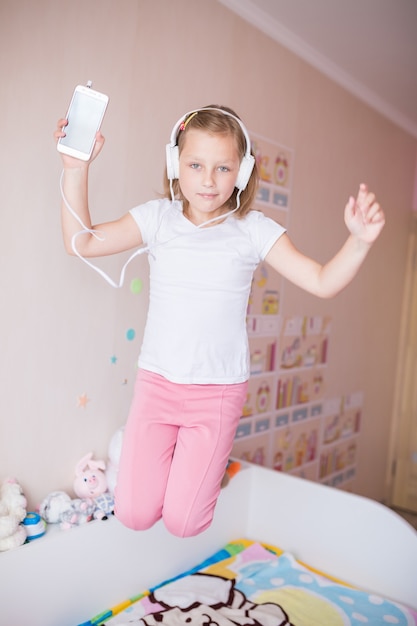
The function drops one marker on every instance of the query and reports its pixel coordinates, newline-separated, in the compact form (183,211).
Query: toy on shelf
(232,468)
(90,483)
(35,526)
(12,513)
(93,500)
(59,508)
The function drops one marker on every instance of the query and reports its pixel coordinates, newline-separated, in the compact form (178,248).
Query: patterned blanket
(247,584)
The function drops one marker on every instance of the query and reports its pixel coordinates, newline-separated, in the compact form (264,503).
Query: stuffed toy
(12,513)
(91,483)
(59,507)
(35,526)
(232,468)
(53,506)
(115,450)
(104,505)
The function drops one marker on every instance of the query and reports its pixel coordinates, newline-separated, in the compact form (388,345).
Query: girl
(205,242)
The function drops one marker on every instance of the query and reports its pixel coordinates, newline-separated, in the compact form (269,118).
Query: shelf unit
(288,423)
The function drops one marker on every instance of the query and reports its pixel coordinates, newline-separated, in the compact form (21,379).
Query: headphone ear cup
(173,161)
(245,170)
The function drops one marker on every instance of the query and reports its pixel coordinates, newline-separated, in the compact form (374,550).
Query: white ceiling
(368,46)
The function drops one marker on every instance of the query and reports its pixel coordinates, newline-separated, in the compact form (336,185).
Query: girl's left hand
(363,216)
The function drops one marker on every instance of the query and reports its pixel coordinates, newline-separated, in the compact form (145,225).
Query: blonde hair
(214,122)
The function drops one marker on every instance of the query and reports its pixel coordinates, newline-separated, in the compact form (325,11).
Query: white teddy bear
(12,513)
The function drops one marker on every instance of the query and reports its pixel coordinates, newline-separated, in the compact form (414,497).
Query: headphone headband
(172,152)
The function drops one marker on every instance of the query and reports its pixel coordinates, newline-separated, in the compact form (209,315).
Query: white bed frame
(67,577)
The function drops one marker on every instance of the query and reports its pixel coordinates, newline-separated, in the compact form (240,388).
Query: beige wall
(60,322)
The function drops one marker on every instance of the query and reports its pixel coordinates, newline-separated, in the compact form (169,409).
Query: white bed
(65,578)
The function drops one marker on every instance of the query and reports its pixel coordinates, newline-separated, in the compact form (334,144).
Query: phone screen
(84,119)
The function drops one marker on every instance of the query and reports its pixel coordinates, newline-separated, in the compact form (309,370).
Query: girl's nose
(208,178)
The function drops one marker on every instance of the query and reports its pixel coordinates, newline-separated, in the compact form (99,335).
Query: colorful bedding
(248,584)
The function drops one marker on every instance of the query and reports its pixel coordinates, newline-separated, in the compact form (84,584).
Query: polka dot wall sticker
(113,359)
(136,285)
(130,334)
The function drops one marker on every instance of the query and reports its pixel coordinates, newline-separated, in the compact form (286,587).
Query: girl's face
(209,165)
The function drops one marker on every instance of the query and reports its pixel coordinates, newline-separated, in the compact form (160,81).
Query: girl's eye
(223,168)
(194,166)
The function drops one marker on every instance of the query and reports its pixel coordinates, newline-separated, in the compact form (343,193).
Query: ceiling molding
(249,11)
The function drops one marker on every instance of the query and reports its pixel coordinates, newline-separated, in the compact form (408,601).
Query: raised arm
(364,219)
(112,237)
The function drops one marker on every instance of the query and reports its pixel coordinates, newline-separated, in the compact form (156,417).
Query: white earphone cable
(98,236)
(139,251)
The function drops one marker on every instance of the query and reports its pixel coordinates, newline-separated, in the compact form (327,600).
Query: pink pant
(177,442)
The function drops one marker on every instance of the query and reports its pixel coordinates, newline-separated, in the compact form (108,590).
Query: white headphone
(173,162)
(173,157)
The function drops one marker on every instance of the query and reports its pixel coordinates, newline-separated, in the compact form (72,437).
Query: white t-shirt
(200,281)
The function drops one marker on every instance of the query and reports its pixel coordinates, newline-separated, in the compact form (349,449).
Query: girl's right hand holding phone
(72,162)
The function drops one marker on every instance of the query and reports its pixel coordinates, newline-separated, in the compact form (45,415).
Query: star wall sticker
(82,401)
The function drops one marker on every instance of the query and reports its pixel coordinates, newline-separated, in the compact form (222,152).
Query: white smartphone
(85,114)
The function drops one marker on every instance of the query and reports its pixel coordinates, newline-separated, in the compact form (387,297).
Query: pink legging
(176,445)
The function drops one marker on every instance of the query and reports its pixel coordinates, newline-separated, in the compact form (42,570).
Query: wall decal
(136,285)
(82,401)
(130,334)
